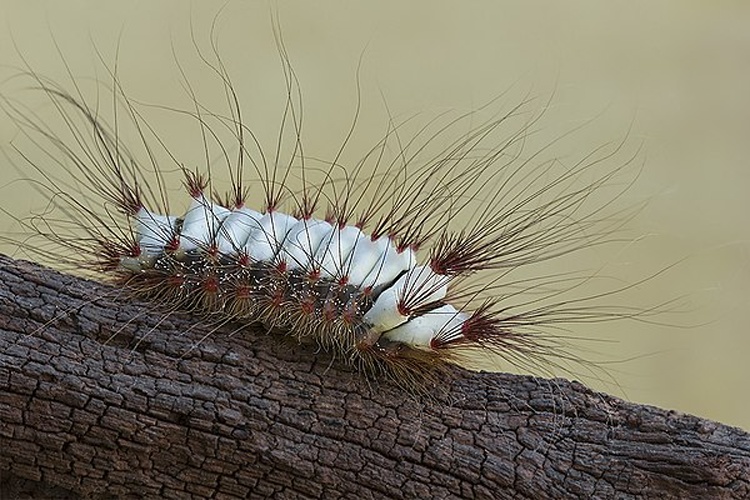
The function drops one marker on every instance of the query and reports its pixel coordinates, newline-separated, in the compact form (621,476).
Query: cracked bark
(101,399)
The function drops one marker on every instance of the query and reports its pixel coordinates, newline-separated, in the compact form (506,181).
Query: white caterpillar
(371,264)
(394,299)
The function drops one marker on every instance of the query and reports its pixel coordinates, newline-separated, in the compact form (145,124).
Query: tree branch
(100,398)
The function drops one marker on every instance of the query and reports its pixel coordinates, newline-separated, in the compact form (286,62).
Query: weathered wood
(100,398)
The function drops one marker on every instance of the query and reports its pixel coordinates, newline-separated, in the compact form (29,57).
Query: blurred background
(670,76)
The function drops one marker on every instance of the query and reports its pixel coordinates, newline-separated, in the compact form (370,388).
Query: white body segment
(444,322)
(153,231)
(334,250)
(264,242)
(390,266)
(201,223)
(418,287)
(302,242)
(365,255)
(235,230)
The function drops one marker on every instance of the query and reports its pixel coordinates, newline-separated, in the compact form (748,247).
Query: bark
(101,398)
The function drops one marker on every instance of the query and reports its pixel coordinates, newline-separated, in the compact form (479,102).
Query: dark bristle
(195,183)
(129,201)
(173,244)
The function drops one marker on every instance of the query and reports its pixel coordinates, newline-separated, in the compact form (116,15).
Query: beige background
(679,72)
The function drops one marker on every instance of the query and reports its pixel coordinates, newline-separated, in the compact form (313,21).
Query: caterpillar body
(370,261)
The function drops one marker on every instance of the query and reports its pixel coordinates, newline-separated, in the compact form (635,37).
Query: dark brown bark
(104,399)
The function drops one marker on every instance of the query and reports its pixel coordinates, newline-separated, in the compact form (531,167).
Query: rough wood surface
(101,399)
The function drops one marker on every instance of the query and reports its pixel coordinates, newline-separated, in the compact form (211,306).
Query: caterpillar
(370,260)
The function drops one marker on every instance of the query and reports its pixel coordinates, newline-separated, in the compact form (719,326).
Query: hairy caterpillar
(366,259)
